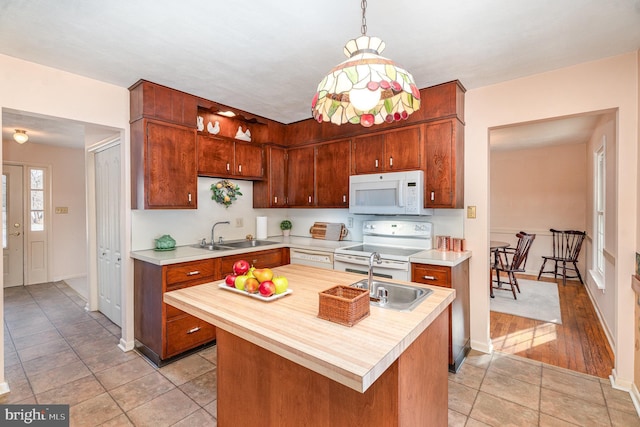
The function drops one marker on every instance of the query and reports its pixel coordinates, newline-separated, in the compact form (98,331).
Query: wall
(603,299)
(593,86)
(68,231)
(190,226)
(535,189)
(26,86)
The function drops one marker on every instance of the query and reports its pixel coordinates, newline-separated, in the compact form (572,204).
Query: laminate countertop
(194,253)
(289,327)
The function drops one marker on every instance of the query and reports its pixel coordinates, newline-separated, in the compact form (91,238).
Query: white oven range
(394,240)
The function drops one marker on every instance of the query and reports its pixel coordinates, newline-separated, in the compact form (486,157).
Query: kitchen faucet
(375,256)
(213,229)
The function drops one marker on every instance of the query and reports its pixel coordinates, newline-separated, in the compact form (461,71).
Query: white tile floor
(55,352)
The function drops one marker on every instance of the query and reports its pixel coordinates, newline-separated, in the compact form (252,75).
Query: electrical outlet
(239,222)
(350,222)
(471,211)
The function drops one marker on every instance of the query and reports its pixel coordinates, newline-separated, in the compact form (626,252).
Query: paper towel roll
(261,227)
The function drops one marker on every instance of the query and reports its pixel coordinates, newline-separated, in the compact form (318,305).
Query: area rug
(536,300)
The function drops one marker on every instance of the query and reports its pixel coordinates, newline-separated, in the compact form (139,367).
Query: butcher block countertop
(289,327)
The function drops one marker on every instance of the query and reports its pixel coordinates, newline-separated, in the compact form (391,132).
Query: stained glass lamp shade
(365,89)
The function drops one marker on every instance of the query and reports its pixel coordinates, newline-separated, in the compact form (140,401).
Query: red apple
(282,284)
(267,288)
(240,267)
(251,285)
(263,274)
(230,280)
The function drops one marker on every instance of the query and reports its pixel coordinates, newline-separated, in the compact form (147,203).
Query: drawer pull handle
(193,330)
(429,277)
(193,273)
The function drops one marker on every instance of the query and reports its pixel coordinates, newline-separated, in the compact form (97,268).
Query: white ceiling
(267,57)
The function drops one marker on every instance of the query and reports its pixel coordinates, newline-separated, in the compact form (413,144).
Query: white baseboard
(635,398)
(4,388)
(484,347)
(126,346)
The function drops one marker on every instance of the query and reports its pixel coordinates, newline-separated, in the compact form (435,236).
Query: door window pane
(37,199)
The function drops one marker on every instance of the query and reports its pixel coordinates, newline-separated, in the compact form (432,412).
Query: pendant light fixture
(367,88)
(20,136)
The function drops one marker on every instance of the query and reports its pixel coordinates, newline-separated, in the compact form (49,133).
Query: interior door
(12,225)
(109,266)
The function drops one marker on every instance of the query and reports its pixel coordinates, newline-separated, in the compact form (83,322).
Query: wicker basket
(344,304)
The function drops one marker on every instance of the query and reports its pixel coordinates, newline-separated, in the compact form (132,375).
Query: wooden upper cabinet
(249,160)
(215,156)
(444,153)
(159,102)
(368,154)
(300,177)
(391,151)
(272,191)
(163,166)
(221,157)
(403,149)
(332,169)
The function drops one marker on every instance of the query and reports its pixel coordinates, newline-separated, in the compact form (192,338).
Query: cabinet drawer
(186,332)
(431,275)
(185,272)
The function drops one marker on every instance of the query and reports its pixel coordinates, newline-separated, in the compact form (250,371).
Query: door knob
(17,233)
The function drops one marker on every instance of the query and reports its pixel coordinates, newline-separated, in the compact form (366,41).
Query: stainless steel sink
(235,244)
(247,243)
(213,247)
(394,295)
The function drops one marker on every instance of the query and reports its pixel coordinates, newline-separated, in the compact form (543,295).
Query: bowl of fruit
(258,283)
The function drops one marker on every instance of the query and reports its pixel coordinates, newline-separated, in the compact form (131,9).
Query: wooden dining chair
(511,261)
(566,248)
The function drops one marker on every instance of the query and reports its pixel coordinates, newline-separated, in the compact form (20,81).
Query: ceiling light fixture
(227,113)
(367,88)
(20,136)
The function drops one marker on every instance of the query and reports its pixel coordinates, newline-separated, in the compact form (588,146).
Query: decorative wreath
(225,192)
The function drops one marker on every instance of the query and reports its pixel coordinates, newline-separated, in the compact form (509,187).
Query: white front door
(12,225)
(107,167)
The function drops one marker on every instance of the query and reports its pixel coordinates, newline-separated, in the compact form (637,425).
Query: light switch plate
(471,211)
(239,222)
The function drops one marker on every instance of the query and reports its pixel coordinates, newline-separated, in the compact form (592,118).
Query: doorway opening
(540,178)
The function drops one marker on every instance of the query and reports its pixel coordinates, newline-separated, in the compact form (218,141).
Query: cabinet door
(300,177)
(402,150)
(249,160)
(368,154)
(444,168)
(332,174)
(271,192)
(170,167)
(215,156)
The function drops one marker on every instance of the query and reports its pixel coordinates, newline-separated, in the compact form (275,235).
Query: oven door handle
(359,260)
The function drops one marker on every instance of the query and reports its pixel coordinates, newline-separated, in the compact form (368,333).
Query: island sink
(394,295)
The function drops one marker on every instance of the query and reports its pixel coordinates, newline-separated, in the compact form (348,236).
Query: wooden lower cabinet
(162,331)
(456,277)
(260,259)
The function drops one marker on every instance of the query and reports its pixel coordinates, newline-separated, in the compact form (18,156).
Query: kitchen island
(279,364)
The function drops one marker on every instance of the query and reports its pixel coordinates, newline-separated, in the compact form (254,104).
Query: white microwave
(391,193)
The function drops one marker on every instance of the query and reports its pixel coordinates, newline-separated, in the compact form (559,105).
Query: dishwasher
(312,258)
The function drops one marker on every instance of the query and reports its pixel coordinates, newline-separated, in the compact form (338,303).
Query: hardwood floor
(578,344)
